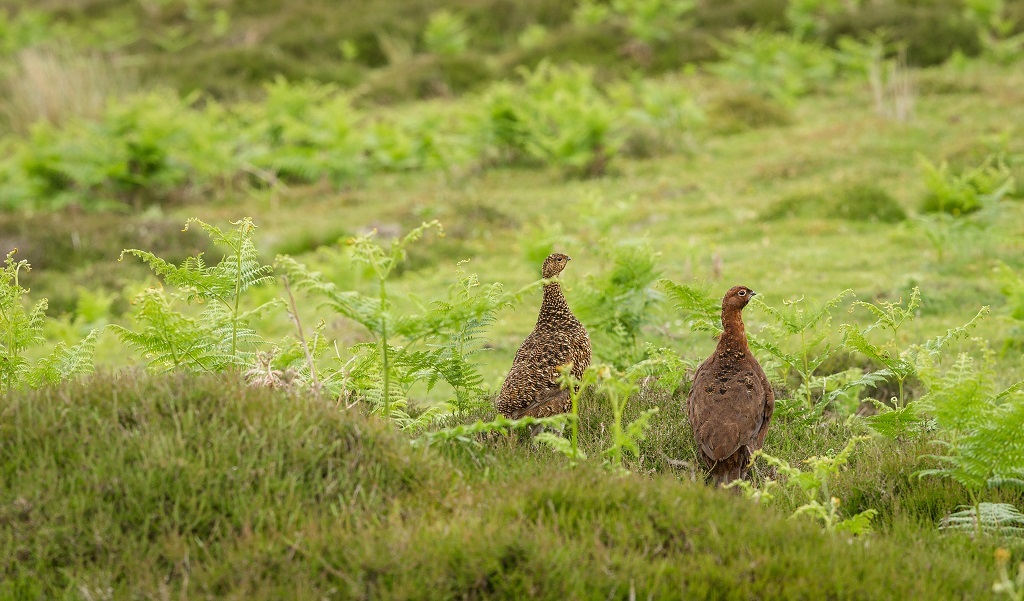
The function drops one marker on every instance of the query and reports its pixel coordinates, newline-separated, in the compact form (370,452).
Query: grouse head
(737,297)
(554,265)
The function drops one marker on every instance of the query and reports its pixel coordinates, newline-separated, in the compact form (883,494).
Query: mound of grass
(803,205)
(854,202)
(130,477)
(742,110)
(136,486)
(866,202)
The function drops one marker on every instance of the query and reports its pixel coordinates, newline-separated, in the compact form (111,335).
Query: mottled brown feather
(731,402)
(531,386)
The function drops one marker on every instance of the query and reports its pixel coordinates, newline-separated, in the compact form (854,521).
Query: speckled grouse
(531,386)
(731,402)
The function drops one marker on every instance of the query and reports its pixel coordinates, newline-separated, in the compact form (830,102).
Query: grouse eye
(743,293)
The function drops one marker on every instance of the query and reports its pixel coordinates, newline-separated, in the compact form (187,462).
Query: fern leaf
(938,343)
(895,423)
(65,362)
(872,379)
(559,444)
(466,433)
(997,518)
(858,524)
(703,309)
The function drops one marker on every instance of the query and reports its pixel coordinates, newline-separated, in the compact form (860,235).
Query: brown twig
(293,312)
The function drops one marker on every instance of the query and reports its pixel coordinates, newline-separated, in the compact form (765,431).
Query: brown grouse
(531,386)
(731,401)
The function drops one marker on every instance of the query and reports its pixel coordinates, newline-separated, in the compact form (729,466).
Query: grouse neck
(554,300)
(734,335)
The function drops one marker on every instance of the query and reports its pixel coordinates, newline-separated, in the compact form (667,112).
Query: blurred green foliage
(228,49)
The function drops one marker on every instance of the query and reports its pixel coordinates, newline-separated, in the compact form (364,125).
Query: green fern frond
(64,362)
(663,365)
(872,379)
(697,302)
(796,318)
(773,350)
(636,431)
(997,518)
(466,433)
(193,276)
(559,444)
(168,338)
(855,339)
(892,315)
(20,330)
(939,342)
(362,309)
(859,524)
(221,335)
(961,397)
(894,422)
(981,428)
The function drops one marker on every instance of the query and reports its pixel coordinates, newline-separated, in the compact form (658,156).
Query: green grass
(135,487)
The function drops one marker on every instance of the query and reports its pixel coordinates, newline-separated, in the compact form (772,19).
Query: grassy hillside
(139,487)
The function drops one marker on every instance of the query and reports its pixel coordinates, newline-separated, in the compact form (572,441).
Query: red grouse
(531,387)
(731,401)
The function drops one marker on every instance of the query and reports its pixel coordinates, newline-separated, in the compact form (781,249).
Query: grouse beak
(568,258)
(752,294)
